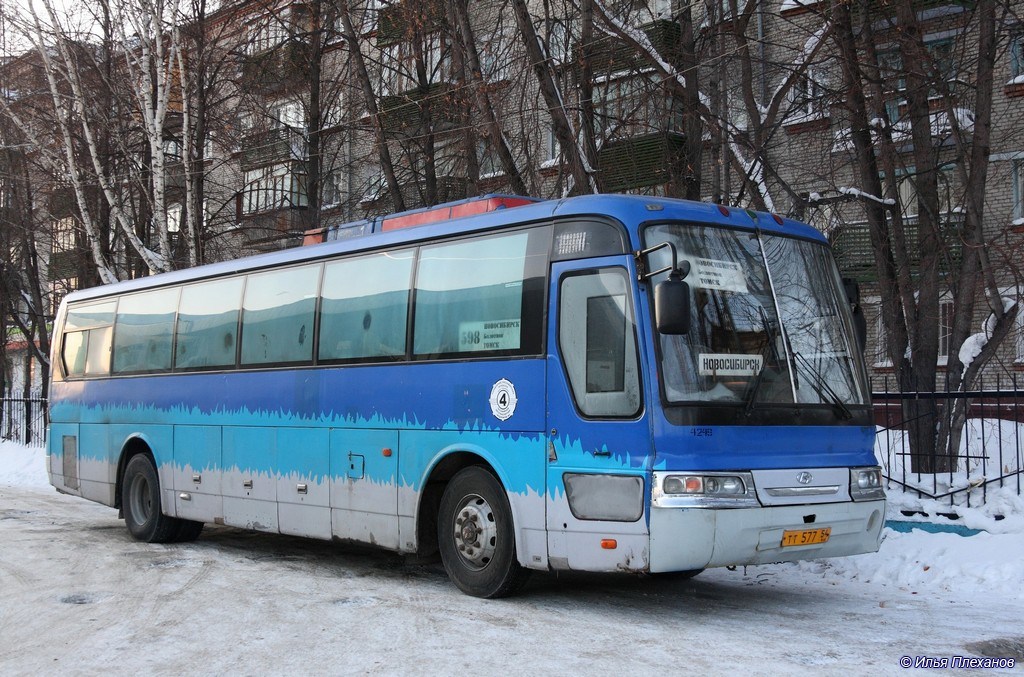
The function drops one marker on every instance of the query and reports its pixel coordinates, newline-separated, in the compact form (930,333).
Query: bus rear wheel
(476,536)
(140,501)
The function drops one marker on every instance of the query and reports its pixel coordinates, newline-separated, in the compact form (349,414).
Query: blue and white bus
(602,383)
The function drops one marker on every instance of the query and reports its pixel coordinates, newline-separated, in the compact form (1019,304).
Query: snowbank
(23,466)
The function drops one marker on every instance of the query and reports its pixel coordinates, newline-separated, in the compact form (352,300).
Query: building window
(331,189)
(495,59)
(172,150)
(615,102)
(288,114)
(64,234)
(551,152)
(945,329)
(274,187)
(1018,189)
(1018,324)
(808,95)
(267,33)
(881,351)
(399,65)
(376,185)
(174,214)
(490,164)
(559,49)
(1017,58)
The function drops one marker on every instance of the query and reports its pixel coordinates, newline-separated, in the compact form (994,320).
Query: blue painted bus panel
(452,397)
(761,447)
(196,472)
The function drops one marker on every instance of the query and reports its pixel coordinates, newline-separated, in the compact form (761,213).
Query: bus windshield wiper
(756,386)
(823,389)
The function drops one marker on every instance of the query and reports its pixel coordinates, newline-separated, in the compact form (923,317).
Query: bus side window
(208,324)
(76,347)
(365,307)
(470,296)
(87,333)
(277,316)
(143,331)
(597,342)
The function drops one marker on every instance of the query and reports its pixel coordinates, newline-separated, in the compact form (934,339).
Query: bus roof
(630,210)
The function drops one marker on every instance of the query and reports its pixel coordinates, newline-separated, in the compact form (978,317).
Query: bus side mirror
(672,305)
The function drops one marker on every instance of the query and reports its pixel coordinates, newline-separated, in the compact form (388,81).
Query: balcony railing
(851,243)
(641,161)
(282,144)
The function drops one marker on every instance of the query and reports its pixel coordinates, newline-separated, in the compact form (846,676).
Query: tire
(476,536)
(140,501)
(188,530)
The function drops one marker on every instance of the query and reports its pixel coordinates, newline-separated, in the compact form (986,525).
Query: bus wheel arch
(132,447)
(430,498)
(140,501)
(476,534)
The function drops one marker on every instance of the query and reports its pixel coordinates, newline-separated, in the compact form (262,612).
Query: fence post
(27,437)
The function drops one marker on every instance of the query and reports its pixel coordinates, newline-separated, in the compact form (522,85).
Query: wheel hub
(475,532)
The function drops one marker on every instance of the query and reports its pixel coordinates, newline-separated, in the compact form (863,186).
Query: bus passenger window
(97,361)
(76,344)
(87,352)
(277,317)
(208,324)
(143,331)
(597,341)
(365,306)
(469,296)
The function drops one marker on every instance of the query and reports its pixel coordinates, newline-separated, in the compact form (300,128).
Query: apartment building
(317,113)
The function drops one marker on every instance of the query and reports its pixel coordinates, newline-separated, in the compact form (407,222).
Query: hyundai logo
(805,478)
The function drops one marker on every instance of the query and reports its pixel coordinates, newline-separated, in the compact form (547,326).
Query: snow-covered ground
(78,596)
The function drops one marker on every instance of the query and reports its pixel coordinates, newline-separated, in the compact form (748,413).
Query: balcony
(408,110)
(449,189)
(396,22)
(851,244)
(641,161)
(283,144)
(276,70)
(610,55)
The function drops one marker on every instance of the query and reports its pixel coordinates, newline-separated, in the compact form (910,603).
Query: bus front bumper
(685,539)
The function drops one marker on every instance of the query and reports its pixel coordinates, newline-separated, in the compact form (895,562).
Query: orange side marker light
(609,543)
(387,452)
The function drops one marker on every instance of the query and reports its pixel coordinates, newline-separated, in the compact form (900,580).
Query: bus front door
(599,444)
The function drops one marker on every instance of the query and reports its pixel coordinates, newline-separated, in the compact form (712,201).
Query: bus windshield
(769,321)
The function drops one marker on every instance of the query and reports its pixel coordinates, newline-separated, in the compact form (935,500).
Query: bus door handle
(302,488)
(602,452)
(197,479)
(247,484)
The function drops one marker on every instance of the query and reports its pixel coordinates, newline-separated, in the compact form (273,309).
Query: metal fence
(987,457)
(23,419)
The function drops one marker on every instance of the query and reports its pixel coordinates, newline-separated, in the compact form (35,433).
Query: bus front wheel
(140,500)
(476,536)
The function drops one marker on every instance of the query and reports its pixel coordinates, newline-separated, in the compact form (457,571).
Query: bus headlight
(866,484)
(715,485)
(708,489)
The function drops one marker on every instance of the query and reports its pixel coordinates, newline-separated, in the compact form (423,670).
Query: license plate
(805,536)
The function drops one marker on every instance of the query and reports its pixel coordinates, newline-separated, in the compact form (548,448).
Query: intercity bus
(600,383)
